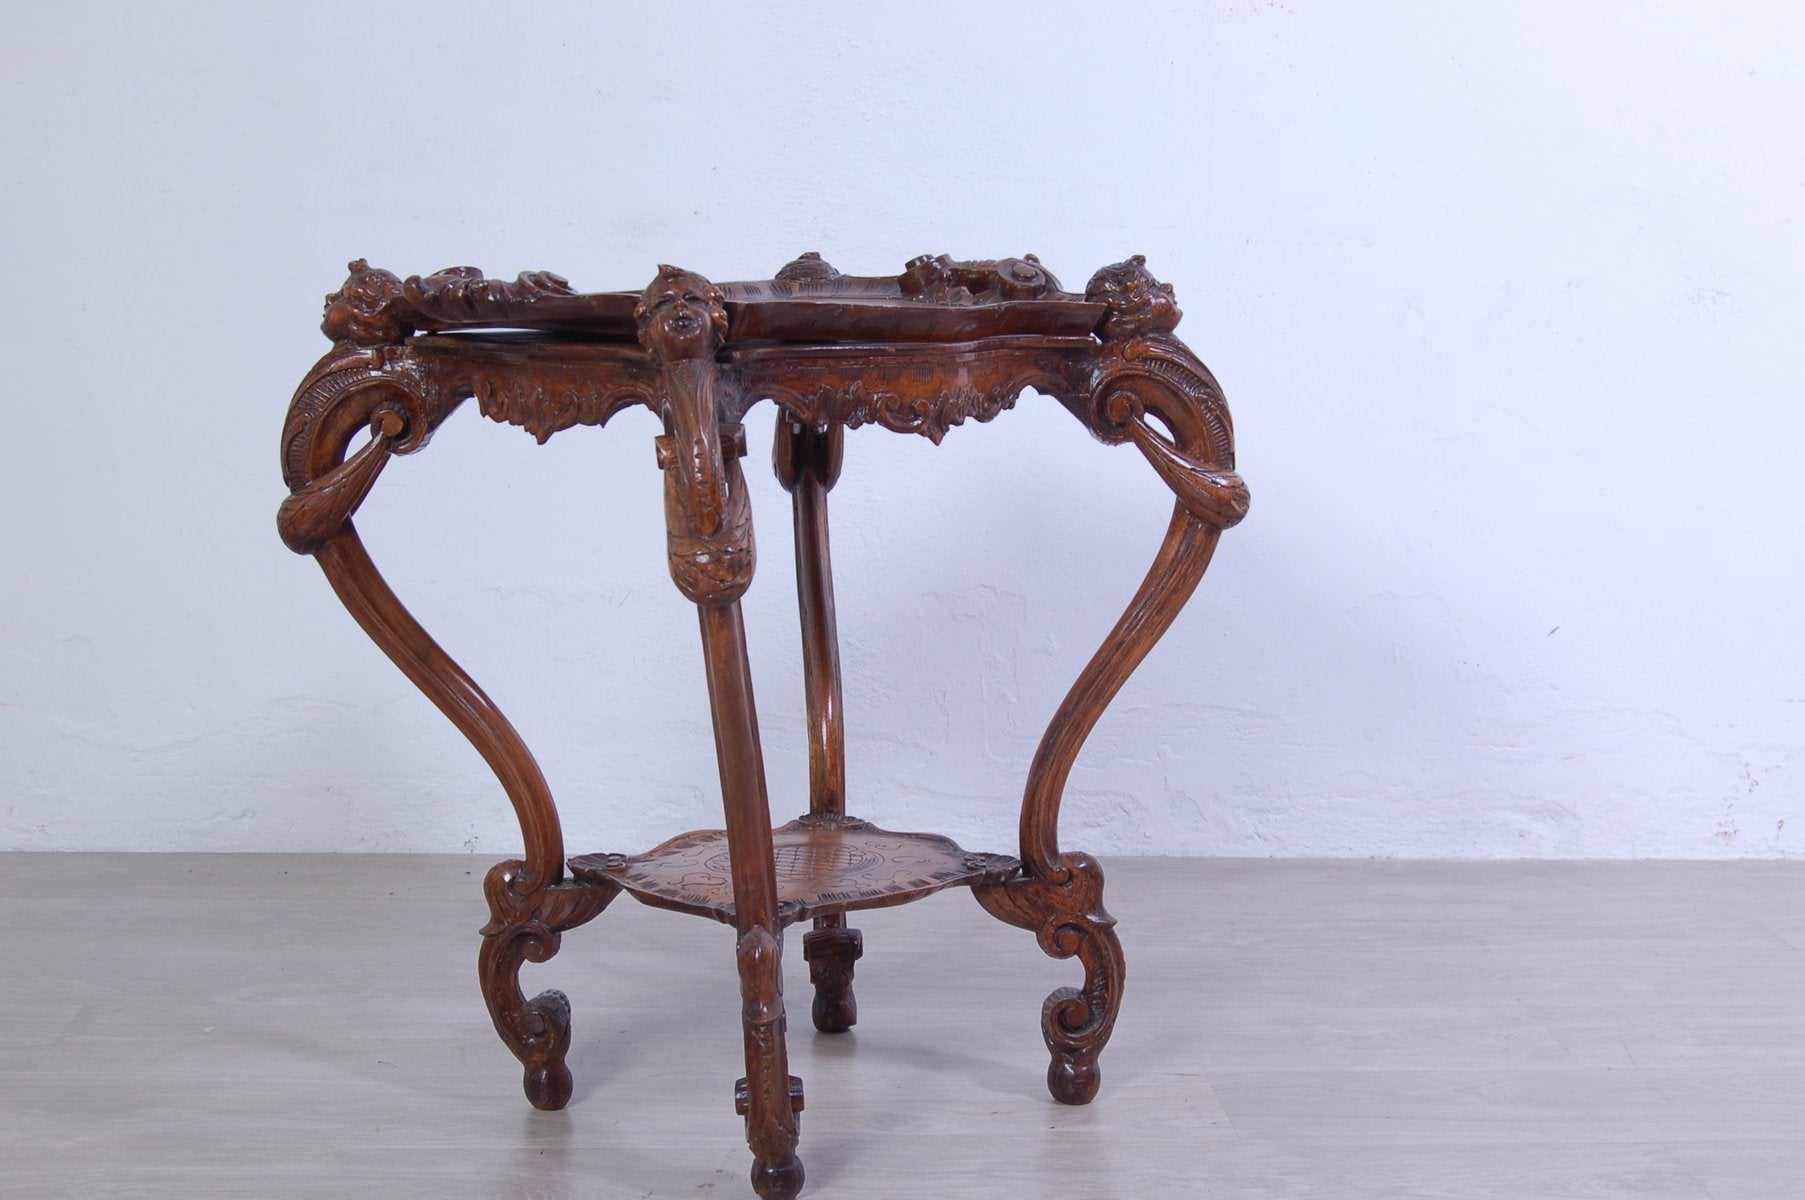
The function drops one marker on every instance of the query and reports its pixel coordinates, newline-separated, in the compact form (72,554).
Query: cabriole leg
(1147,381)
(370,380)
(1059,896)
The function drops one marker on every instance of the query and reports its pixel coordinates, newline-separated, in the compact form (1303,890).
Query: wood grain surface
(922,352)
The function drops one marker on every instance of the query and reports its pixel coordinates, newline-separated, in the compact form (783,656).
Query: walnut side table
(919,352)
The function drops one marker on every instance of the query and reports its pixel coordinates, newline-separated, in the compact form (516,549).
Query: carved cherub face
(366,310)
(681,315)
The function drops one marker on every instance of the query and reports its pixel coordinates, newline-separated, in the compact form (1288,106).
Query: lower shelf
(825,864)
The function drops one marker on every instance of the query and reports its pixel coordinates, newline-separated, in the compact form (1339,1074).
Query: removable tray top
(933,299)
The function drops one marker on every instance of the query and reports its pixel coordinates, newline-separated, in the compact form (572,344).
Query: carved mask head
(1138,303)
(368,309)
(681,315)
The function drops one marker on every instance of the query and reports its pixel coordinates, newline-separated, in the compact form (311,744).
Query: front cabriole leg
(682,322)
(1142,372)
(375,378)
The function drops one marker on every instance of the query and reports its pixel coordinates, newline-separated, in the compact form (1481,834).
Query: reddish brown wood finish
(826,865)
(807,462)
(920,352)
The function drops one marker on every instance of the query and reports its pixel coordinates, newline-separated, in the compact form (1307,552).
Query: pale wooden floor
(296,1026)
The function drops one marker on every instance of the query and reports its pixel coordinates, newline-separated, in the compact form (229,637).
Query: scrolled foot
(830,953)
(1073,1076)
(542,1026)
(778,1181)
(524,926)
(1067,915)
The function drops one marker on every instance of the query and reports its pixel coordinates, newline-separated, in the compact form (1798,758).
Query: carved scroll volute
(366,381)
(313,515)
(1149,372)
(353,389)
(1144,376)
(708,518)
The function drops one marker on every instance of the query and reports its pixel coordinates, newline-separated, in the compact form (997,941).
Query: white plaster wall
(1507,297)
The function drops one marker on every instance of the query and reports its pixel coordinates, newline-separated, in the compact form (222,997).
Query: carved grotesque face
(681,315)
(1138,303)
(367,309)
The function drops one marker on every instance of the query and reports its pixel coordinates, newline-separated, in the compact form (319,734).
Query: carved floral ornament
(376,307)
(1130,370)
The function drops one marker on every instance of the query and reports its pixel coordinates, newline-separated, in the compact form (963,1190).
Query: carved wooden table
(918,353)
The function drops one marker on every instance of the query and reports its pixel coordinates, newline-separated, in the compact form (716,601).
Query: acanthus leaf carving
(1154,375)
(314,514)
(460,295)
(543,408)
(374,307)
(940,279)
(682,323)
(347,390)
(930,414)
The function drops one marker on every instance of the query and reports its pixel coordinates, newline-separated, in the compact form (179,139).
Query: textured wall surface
(1507,299)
